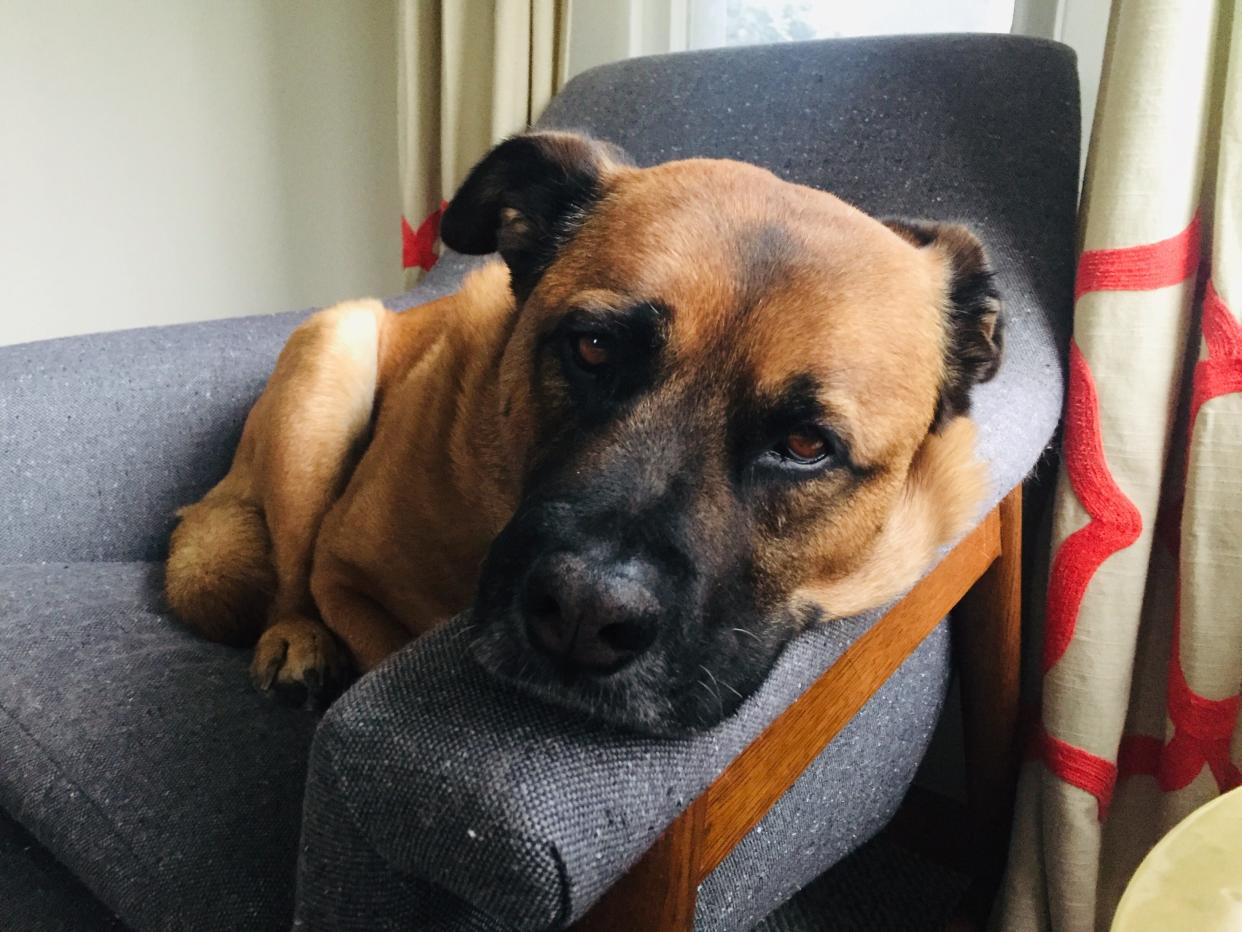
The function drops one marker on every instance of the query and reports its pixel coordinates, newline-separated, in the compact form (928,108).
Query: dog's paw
(298,661)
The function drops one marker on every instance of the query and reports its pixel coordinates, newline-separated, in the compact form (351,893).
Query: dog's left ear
(526,198)
(972,311)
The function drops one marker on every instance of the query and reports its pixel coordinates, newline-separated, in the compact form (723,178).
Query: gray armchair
(139,761)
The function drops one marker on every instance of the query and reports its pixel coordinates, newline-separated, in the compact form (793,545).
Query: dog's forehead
(775,280)
(725,240)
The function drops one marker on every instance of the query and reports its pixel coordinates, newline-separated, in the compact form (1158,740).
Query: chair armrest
(431,775)
(435,790)
(103,436)
(660,891)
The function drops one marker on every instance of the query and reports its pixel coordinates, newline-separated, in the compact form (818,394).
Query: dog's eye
(804,446)
(592,350)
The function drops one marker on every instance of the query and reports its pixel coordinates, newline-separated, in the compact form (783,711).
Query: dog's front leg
(353,613)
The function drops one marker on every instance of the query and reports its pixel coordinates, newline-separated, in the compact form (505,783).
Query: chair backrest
(982,129)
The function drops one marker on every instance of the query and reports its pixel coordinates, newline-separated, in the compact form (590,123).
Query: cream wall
(174,160)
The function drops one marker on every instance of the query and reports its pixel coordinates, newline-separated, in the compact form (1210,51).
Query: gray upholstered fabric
(103,436)
(531,812)
(847,795)
(142,760)
(37,894)
(140,756)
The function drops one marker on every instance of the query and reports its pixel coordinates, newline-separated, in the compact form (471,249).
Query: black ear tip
(916,232)
(471,221)
(523,199)
(462,231)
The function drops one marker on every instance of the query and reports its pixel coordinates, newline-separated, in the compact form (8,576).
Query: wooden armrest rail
(659,892)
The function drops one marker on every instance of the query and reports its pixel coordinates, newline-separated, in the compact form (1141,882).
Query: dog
(688,411)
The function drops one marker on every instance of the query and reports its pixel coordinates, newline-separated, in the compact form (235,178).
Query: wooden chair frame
(980,583)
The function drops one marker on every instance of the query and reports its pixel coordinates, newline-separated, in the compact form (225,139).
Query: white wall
(173,160)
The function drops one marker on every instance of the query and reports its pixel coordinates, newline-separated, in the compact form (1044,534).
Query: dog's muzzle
(589,613)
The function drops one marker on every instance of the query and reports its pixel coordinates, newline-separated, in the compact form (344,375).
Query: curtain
(1137,719)
(470,73)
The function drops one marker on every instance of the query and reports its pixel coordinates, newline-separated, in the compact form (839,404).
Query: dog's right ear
(526,198)
(975,325)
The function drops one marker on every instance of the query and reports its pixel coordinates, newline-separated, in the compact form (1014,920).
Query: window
(748,22)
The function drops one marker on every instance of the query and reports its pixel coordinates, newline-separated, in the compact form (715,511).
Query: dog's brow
(647,320)
(615,304)
(599,300)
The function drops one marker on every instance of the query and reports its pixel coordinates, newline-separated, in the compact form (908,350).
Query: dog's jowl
(689,410)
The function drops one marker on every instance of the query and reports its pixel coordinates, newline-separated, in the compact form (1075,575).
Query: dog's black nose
(595,616)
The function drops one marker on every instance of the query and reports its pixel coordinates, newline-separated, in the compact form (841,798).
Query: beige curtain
(471,72)
(1142,636)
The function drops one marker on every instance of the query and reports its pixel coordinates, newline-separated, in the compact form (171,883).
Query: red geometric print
(1202,727)
(1140,268)
(1078,767)
(1115,523)
(1221,373)
(1202,730)
(418,248)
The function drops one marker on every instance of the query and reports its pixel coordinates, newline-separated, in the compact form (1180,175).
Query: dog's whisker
(714,693)
(749,634)
(720,683)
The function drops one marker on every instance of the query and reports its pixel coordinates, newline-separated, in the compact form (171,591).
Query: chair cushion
(140,756)
(37,894)
(142,759)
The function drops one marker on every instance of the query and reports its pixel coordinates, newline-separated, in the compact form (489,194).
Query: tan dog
(694,409)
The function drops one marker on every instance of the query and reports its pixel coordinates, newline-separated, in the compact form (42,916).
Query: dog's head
(734,406)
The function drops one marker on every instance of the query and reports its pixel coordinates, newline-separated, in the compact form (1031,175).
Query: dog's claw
(265,676)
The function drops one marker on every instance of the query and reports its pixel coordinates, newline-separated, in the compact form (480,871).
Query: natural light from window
(749,22)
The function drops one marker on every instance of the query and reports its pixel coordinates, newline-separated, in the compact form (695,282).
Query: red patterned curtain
(1137,720)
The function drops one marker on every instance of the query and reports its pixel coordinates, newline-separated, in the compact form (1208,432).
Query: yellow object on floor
(1192,879)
